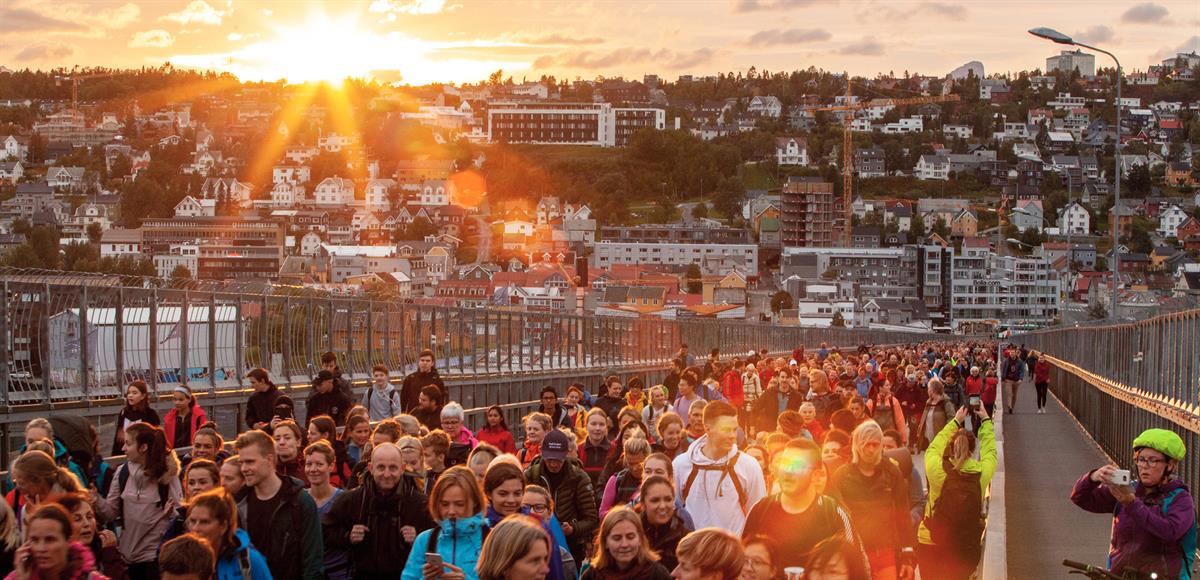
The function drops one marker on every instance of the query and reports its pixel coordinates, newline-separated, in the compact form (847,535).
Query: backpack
(457,454)
(393,401)
(123,478)
(1188,543)
(957,518)
(728,469)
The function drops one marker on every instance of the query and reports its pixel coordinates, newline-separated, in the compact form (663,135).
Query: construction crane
(848,111)
(74,79)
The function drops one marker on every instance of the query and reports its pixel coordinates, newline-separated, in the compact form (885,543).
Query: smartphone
(434,559)
(973,401)
(1121,477)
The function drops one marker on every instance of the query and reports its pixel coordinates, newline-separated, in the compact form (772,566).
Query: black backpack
(957,518)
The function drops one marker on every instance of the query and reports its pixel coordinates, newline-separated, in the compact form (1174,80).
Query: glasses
(537,508)
(1148,461)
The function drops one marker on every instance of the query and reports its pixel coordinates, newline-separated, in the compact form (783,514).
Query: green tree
(700,211)
(1138,181)
(94,232)
(1097,312)
(781,301)
(181,272)
(417,230)
(694,285)
(838,320)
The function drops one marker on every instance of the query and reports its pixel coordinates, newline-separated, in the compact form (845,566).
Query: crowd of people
(821,464)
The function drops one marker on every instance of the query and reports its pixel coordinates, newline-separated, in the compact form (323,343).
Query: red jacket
(500,437)
(974,385)
(732,389)
(989,391)
(1041,371)
(169,423)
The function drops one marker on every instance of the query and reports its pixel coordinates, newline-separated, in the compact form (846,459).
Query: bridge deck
(1043,456)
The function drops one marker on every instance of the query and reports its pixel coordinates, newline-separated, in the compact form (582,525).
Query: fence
(84,339)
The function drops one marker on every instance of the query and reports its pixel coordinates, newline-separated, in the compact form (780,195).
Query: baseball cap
(555,445)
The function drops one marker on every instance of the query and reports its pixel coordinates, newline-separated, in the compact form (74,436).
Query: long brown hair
(155,441)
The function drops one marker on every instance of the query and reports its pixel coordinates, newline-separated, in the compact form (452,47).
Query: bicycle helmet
(1163,441)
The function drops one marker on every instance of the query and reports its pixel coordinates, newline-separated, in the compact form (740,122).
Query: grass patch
(756,176)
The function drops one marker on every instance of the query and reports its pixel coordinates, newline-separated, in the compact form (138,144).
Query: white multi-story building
(334,191)
(1074,219)
(598,124)
(791,151)
(989,291)
(932,167)
(433,192)
(192,207)
(608,253)
(765,106)
(291,174)
(378,198)
(1069,60)
(914,124)
(960,131)
(1065,102)
(120,242)
(1170,220)
(286,195)
(333,142)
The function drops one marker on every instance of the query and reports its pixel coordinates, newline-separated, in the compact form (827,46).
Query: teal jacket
(229,566)
(459,542)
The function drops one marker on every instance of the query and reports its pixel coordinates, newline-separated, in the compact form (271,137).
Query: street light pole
(1060,38)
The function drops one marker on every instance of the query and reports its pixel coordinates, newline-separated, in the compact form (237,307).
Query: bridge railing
(1119,380)
(86,337)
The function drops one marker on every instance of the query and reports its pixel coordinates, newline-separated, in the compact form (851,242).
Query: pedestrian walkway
(1043,456)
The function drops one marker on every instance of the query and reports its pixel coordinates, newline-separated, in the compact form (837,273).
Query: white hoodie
(713,499)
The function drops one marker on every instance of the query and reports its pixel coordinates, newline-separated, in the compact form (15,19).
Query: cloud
(760,5)
(25,20)
(951,11)
(44,52)
(196,12)
(868,46)
(1148,12)
(790,36)
(1095,34)
(1190,45)
(392,7)
(562,40)
(157,38)
(593,60)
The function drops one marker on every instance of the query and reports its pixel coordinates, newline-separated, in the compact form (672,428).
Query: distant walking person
(1012,372)
(1041,380)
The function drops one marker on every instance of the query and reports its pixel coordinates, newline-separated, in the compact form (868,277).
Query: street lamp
(1060,38)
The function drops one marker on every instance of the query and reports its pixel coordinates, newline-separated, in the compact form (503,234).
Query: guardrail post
(44,345)
(212,342)
(119,336)
(6,343)
(371,357)
(185,331)
(152,326)
(239,350)
(84,331)
(285,339)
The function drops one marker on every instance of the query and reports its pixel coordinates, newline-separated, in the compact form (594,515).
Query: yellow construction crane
(848,110)
(74,77)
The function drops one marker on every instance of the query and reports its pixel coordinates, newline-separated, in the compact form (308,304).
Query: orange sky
(420,41)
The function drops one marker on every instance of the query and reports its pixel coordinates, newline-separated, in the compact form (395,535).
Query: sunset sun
(321,49)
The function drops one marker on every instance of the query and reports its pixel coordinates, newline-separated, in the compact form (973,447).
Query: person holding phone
(450,551)
(1153,513)
(49,552)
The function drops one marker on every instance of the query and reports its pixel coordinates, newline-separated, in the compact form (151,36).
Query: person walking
(938,412)
(622,551)
(1012,372)
(1041,380)
(327,399)
(718,484)
(950,535)
(425,375)
(137,409)
(575,500)
(381,399)
(184,419)
(212,515)
(661,518)
(260,409)
(456,503)
(1154,516)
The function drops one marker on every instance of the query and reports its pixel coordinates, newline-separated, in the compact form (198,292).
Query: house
(226,189)
(1180,174)
(1074,219)
(11,171)
(291,174)
(959,131)
(995,90)
(870,162)
(334,192)
(65,178)
(1169,221)
(1186,230)
(13,147)
(378,194)
(286,195)
(192,207)
(121,242)
(791,151)
(865,237)
(1123,217)
(964,225)
(432,192)
(765,106)
(932,167)
(1028,215)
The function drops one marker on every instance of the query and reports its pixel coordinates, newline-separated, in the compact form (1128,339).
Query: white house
(791,151)
(960,131)
(192,207)
(914,124)
(120,242)
(378,194)
(932,167)
(291,174)
(286,195)
(1169,221)
(11,171)
(433,192)
(333,142)
(767,106)
(334,191)
(226,188)
(1074,219)
(310,244)
(1028,215)
(13,148)
(65,177)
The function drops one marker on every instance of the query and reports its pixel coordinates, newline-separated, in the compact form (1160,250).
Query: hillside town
(967,203)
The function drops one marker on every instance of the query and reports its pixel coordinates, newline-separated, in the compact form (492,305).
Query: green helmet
(1162,441)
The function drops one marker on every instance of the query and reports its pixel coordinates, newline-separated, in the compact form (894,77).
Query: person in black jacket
(277,513)
(326,400)
(329,363)
(261,406)
(137,409)
(378,521)
(426,374)
(777,398)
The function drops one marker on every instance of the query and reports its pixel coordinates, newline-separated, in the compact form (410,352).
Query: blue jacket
(229,566)
(459,543)
(556,561)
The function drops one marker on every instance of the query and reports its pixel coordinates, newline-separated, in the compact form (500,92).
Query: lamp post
(1060,38)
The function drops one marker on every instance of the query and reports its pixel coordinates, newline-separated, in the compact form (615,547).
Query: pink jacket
(196,419)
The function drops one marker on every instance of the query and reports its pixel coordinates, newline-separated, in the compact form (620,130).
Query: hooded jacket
(713,500)
(410,389)
(80,566)
(985,466)
(459,542)
(500,437)
(384,550)
(261,406)
(765,411)
(296,549)
(195,419)
(229,564)
(1144,535)
(574,500)
(144,520)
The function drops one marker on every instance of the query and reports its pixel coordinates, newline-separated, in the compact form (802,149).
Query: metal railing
(85,338)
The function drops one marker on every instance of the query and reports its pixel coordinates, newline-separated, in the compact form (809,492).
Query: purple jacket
(1143,537)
